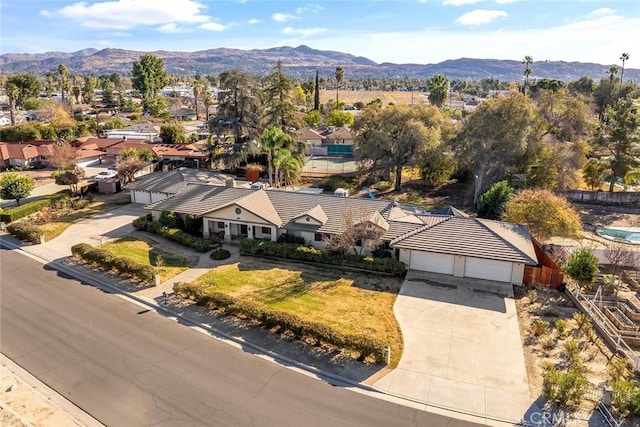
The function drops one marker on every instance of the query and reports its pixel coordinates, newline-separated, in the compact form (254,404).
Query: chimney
(124,138)
(230,182)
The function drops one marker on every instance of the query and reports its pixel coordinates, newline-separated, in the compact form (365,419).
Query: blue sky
(401,31)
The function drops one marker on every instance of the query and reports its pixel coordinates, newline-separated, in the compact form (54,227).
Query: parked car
(105,175)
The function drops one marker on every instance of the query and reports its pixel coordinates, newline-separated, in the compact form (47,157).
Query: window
(358,242)
(317,237)
(266,230)
(220,224)
(238,211)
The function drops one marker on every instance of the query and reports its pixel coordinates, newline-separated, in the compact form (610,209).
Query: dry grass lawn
(345,301)
(166,263)
(350,97)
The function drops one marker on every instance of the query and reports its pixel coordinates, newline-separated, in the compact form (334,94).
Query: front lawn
(146,252)
(345,301)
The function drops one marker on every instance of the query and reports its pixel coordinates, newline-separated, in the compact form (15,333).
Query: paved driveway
(462,351)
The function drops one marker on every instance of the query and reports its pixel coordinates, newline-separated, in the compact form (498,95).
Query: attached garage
(143,197)
(432,262)
(488,269)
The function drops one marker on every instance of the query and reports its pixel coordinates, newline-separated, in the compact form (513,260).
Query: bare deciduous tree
(63,157)
(365,232)
(619,257)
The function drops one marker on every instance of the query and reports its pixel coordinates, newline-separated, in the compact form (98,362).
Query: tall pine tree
(316,99)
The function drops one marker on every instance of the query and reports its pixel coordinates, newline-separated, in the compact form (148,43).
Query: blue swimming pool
(624,234)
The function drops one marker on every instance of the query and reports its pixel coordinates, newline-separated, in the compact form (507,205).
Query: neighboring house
(183,114)
(329,141)
(5,120)
(146,131)
(313,140)
(88,157)
(458,246)
(160,185)
(111,147)
(18,154)
(179,153)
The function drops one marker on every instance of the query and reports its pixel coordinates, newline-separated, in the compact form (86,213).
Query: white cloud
(283,17)
(303,31)
(120,34)
(480,17)
(213,26)
(45,13)
(459,2)
(603,11)
(253,21)
(310,7)
(505,1)
(171,27)
(126,14)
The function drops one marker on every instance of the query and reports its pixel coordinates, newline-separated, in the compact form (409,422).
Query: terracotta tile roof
(84,154)
(17,151)
(45,150)
(307,134)
(181,150)
(471,237)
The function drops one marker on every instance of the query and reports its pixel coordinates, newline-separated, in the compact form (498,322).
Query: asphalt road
(127,366)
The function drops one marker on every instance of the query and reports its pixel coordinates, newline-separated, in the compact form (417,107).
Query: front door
(243,230)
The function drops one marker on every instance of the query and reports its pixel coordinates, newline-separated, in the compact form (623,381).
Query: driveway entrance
(462,350)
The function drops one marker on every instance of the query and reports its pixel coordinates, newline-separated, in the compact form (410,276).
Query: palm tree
(527,72)
(624,57)
(438,86)
(63,74)
(287,167)
(207,100)
(612,71)
(271,140)
(13,92)
(339,78)
(197,90)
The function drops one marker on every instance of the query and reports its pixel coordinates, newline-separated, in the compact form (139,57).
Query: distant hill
(301,61)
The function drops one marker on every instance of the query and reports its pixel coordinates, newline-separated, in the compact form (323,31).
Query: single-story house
(88,157)
(160,185)
(446,244)
(313,141)
(177,152)
(183,114)
(331,140)
(18,154)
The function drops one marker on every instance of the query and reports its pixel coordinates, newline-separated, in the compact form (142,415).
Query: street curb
(321,374)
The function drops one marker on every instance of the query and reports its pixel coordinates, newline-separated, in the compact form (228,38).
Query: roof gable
(316,213)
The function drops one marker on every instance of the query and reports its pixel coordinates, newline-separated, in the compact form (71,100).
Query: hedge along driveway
(146,252)
(344,301)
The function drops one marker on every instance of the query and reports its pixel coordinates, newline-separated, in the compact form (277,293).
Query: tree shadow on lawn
(320,276)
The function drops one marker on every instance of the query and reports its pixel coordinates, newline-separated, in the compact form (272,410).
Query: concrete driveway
(109,225)
(462,351)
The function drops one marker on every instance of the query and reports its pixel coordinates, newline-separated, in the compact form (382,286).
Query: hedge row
(107,260)
(17,212)
(311,254)
(363,344)
(25,231)
(177,235)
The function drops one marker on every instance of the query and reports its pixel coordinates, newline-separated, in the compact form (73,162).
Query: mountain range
(301,61)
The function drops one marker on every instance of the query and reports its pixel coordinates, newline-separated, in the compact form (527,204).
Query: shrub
(25,231)
(331,183)
(171,220)
(290,238)
(563,388)
(625,398)
(549,343)
(177,235)
(220,254)
(15,213)
(583,266)
(311,254)
(561,326)
(618,368)
(192,224)
(107,260)
(532,295)
(384,185)
(539,327)
(572,354)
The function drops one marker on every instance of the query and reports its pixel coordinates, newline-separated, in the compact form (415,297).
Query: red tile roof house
(112,147)
(329,141)
(439,244)
(18,154)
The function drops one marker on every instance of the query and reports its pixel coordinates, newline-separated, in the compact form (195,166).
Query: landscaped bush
(170,219)
(17,212)
(107,260)
(331,183)
(25,231)
(290,238)
(177,235)
(311,254)
(539,327)
(192,224)
(274,319)
(563,388)
(220,254)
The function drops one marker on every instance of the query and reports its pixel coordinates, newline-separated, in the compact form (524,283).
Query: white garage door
(88,162)
(433,262)
(487,269)
(142,197)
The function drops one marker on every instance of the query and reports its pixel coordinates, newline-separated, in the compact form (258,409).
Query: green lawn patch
(146,252)
(343,301)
